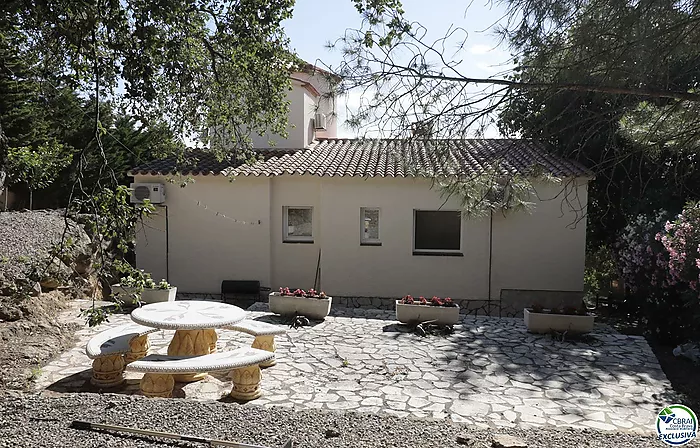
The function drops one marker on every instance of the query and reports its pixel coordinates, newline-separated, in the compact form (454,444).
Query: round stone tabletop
(187,315)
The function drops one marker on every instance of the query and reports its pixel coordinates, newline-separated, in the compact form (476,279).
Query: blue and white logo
(676,425)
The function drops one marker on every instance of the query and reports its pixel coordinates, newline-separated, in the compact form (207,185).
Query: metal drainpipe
(490,256)
(167,246)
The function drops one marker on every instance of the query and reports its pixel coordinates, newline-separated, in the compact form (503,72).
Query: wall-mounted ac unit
(320,121)
(151,191)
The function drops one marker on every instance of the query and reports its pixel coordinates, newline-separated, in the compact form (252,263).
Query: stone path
(489,372)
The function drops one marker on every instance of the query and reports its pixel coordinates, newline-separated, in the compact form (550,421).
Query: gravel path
(32,420)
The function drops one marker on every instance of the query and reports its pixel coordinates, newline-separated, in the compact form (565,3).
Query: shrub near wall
(660,265)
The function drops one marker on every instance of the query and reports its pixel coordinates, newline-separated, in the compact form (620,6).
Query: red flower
(423,301)
(407,299)
(436,301)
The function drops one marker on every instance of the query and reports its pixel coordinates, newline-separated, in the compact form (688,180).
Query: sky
(315,23)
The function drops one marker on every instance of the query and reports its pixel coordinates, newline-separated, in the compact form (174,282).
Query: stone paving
(489,372)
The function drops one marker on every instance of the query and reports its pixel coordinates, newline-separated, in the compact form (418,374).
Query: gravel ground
(27,235)
(36,421)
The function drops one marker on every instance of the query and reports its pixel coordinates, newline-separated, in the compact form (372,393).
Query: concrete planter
(158,295)
(302,306)
(442,315)
(545,322)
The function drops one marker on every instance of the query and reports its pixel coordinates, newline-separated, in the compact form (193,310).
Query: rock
(506,441)
(10,313)
(83,265)
(56,275)
(49,284)
(330,433)
(35,290)
(463,440)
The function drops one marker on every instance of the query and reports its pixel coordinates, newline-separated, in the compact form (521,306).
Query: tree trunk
(31,198)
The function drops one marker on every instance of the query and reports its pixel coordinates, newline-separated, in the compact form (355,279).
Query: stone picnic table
(195,324)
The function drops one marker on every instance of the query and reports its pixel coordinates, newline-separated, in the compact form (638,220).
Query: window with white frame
(369,226)
(298,224)
(437,231)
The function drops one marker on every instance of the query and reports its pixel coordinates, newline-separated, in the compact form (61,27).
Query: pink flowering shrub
(659,263)
(681,239)
(642,259)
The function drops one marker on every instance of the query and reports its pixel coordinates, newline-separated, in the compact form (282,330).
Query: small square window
(436,231)
(298,224)
(369,226)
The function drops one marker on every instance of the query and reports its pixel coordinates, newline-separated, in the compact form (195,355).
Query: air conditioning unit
(151,191)
(320,121)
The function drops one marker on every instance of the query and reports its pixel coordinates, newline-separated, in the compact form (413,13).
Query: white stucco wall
(302,108)
(537,251)
(544,250)
(204,248)
(296,125)
(391,269)
(324,104)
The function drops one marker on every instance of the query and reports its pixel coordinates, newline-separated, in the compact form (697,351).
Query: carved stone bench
(112,349)
(244,363)
(264,336)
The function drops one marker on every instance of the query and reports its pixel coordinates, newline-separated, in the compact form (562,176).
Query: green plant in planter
(148,282)
(537,308)
(163,284)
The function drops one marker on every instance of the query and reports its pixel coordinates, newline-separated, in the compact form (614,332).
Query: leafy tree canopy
(192,64)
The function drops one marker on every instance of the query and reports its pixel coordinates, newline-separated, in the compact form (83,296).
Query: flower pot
(149,295)
(546,322)
(442,315)
(302,306)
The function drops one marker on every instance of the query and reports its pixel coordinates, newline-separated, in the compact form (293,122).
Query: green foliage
(163,284)
(639,147)
(37,167)
(95,316)
(663,128)
(111,222)
(113,219)
(600,271)
(194,66)
(388,14)
(649,266)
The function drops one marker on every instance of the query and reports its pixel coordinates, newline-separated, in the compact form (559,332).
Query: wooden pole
(317,280)
(78,424)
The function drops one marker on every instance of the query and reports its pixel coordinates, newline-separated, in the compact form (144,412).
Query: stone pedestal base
(139,348)
(246,383)
(265,343)
(108,371)
(213,338)
(157,385)
(190,343)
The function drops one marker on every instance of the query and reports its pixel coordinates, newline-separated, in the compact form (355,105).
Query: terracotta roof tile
(389,158)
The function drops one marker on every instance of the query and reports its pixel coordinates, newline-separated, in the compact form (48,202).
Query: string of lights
(222,215)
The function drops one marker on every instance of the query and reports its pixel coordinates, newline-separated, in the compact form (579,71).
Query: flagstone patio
(489,372)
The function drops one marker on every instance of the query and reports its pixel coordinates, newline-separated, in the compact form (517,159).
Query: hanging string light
(221,215)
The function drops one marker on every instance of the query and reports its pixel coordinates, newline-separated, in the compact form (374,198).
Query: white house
(361,218)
